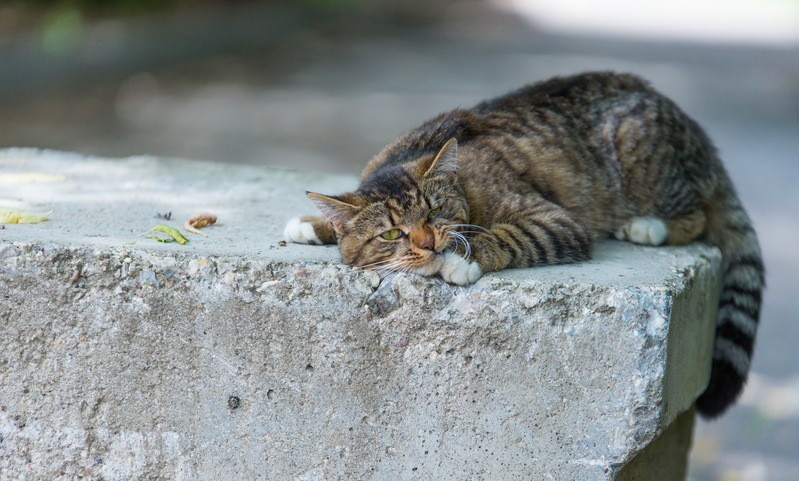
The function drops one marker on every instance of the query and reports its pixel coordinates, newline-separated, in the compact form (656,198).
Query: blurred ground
(323,88)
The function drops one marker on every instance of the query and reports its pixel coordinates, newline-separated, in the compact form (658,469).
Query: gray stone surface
(234,357)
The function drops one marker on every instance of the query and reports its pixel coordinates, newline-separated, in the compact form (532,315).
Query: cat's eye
(392,234)
(433,214)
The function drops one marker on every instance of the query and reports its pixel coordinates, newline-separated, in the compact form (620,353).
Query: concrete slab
(234,357)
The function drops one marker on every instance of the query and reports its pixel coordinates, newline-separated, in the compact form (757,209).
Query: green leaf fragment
(173,234)
(160,239)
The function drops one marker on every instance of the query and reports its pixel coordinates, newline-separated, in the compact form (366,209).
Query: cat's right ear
(445,162)
(335,210)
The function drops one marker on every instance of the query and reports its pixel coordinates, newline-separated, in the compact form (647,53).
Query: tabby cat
(533,178)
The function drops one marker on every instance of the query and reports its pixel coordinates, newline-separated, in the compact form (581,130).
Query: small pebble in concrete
(233,402)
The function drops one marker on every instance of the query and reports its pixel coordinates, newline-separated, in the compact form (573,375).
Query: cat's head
(402,216)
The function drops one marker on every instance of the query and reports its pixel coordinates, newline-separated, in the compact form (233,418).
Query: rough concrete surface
(234,357)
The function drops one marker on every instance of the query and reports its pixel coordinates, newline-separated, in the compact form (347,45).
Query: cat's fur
(534,177)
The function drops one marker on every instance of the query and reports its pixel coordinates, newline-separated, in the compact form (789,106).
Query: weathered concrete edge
(692,299)
(687,350)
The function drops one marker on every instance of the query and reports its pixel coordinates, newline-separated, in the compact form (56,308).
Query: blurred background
(324,84)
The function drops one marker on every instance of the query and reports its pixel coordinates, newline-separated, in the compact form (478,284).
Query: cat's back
(575,100)
(579,91)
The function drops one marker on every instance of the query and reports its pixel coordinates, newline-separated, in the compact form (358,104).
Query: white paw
(300,232)
(457,270)
(644,230)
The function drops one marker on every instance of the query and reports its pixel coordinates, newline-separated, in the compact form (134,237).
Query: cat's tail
(730,229)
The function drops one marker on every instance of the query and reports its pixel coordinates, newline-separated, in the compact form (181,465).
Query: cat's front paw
(457,270)
(300,232)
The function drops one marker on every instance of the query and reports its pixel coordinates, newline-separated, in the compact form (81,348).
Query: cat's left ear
(336,210)
(446,161)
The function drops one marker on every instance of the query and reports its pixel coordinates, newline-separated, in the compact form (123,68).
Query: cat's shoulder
(426,140)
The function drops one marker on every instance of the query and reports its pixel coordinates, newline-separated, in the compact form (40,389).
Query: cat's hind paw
(649,231)
(457,270)
(300,232)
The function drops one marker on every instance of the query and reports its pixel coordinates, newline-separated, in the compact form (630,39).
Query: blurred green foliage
(105,6)
(61,30)
(122,7)
(61,25)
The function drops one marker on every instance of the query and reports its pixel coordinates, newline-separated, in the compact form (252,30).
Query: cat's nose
(423,239)
(428,243)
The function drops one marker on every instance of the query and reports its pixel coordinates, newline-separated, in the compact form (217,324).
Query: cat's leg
(654,231)
(686,228)
(309,229)
(650,231)
(525,236)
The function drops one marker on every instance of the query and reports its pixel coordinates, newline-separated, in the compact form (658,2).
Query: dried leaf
(198,221)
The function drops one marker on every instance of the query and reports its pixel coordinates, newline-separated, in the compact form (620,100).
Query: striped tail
(730,229)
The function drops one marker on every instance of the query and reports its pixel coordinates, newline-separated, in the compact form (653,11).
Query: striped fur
(533,177)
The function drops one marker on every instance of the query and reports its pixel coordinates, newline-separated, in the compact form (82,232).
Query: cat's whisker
(390,267)
(385,261)
(462,240)
(468,249)
(458,240)
(474,226)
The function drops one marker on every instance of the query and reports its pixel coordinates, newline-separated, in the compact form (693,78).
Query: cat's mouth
(426,262)
(431,261)
(431,266)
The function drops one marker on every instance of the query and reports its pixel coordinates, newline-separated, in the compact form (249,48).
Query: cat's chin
(432,267)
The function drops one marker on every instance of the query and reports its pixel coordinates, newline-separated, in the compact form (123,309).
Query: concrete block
(238,357)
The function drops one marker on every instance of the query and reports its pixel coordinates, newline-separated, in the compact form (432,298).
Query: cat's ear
(335,210)
(446,161)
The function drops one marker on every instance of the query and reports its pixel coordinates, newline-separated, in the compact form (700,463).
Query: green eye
(392,234)
(433,213)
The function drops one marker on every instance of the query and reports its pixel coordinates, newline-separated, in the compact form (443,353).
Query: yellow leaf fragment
(170,231)
(16,216)
(196,222)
